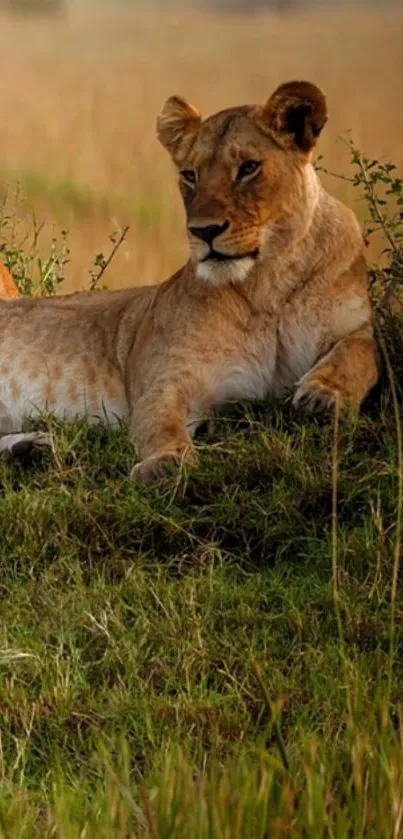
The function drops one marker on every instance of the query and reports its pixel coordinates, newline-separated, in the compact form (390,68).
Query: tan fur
(276,299)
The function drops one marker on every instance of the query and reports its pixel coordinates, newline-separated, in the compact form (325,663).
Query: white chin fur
(217,273)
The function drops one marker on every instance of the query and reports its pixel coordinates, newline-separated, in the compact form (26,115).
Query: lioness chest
(271,358)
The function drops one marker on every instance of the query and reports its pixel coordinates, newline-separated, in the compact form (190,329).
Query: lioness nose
(209,232)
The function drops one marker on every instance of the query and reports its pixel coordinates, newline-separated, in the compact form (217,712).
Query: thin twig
(106,262)
(399,512)
(337,175)
(335,557)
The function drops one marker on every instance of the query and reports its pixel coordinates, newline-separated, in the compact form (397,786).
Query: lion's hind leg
(17,446)
(15,443)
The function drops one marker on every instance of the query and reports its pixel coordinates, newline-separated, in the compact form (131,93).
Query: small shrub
(24,240)
(21,248)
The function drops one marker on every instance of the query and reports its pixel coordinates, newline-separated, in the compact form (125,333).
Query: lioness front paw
(156,468)
(315,396)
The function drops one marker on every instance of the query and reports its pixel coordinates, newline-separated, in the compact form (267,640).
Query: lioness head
(242,173)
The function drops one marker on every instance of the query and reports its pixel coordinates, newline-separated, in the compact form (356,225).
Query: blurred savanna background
(82,83)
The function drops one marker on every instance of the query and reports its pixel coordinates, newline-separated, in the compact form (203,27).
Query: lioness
(274,296)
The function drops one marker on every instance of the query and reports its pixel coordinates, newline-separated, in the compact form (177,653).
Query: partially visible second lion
(274,296)
(8,287)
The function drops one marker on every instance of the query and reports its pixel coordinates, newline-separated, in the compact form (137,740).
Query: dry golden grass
(79,98)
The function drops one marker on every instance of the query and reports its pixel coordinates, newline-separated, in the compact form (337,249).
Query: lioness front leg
(344,376)
(159,422)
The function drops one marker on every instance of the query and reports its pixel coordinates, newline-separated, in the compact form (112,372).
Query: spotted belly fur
(69,387)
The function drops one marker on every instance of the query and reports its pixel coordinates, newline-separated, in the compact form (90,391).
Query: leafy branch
(382,191)
(101,263)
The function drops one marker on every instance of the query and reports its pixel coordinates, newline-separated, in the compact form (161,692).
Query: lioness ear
(177,126)
(296,113)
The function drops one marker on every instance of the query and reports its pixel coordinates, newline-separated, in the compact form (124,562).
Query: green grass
(171,663)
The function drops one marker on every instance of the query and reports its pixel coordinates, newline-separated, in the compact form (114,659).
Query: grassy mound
(214,658)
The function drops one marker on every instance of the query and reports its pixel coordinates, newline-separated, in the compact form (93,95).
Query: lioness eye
(189,175)
(248,167)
